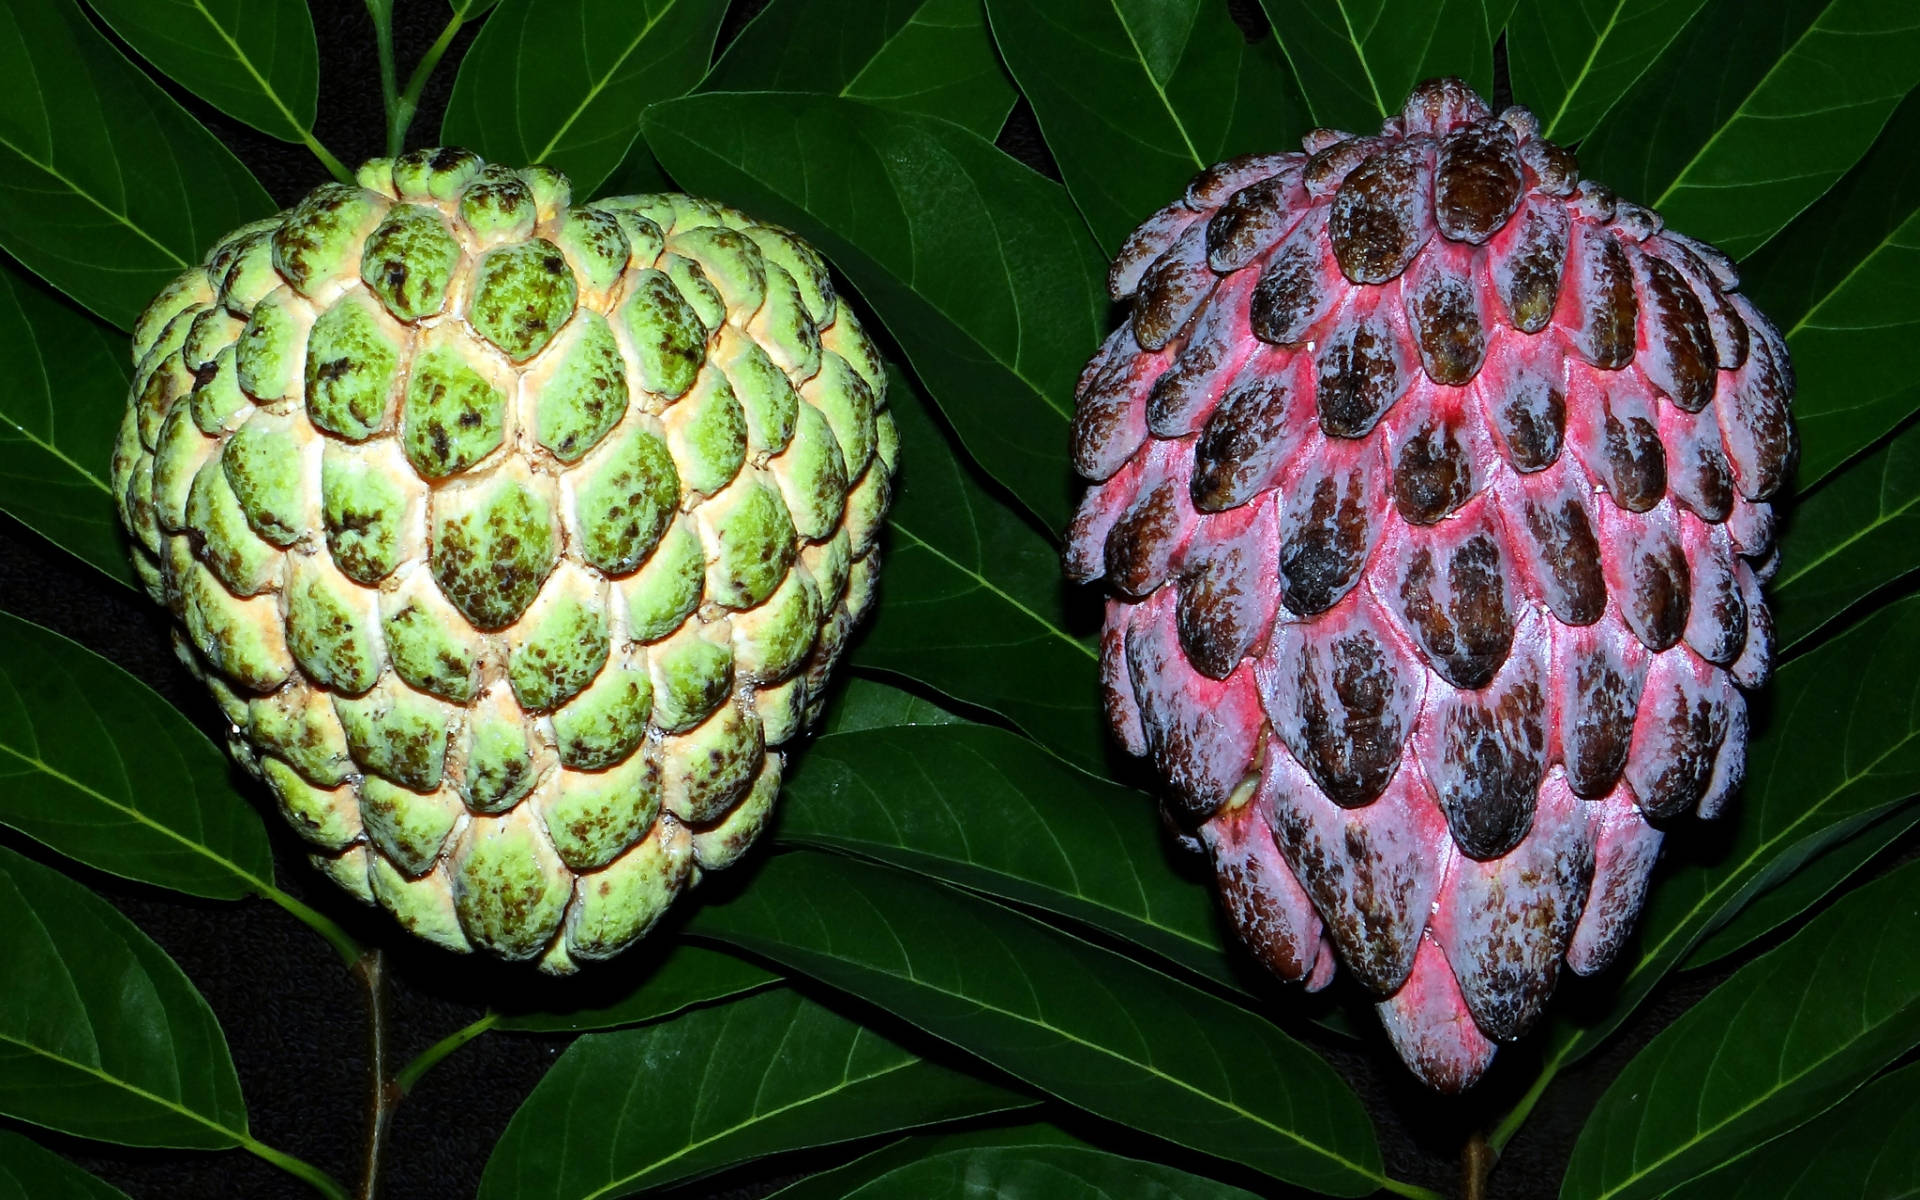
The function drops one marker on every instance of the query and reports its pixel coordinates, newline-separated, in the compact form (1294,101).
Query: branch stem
(380,12)
(1476,1163)
(409,101)
(382,1093)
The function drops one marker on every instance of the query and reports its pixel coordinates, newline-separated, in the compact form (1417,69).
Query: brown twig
(382,1094)
(1476,1162)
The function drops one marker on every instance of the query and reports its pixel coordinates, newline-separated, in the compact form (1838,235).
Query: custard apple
(1430,493)
(515,539)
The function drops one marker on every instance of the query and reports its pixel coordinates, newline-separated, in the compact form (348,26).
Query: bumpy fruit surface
(1430,489)
(514,538)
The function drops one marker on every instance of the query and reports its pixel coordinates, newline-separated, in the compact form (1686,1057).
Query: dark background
(297,1023)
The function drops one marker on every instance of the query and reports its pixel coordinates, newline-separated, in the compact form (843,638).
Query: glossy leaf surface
(101,1036)
(29,1172)
(1356,60)
(682,977)
(1573,59)
(1084,1024)
(96,765)
(636,1108)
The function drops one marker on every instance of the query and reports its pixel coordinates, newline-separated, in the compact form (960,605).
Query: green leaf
(624,1111)
(1841,281)
(564,82)
(639,173)
(108,189)
(1785,1038)
(28,1172)
(1754,111)
(1033,1162)
(925,56)
(1866,1148)
(990,810)
(685,977)
(980,269)
(1100,1031)
(66,391)
(1811,883)
(971,602)
(1134,96)
(863,704)
(1858,533)
(254,60)
(101,1036)
(1357,59)
(1573,59)
(1840,749)
(97,766)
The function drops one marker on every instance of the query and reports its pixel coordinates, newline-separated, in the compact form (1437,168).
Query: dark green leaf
(66,390)
(1841,281)
(972,603)
(1357,59)
(104,771)
(1865,1148)
(624,1111)
(1573,59)
(980,268)
(1754,111)
(639,173)
(1034,1162)
(1097,1030)
(564,82)
(101,1036)
(1840,749)
(1811,883)
(1858,533)
(108,189)
(868,704)
(925,56)
(1785,1038)
(28,1172)
(254,60)
(990,810)
(1135,98)
(686,977)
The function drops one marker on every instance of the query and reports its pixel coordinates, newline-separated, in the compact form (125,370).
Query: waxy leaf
(1034,1162)
(1572,59)
(1841,749)
(1099,1031)
(1859,532)
(1134,97)
(66,390)
(1843,281)
(101,1036)
(925,56)
(254,60)
(621,1112)
(862,704)
(108,189)
(1785,1038)
(1867,1147)
(972,603)
(1356,60)
(1754,111)
(101,769)
(684,977)
(990,810)
(564,82)
(980,269)
(1812,882)
(28,1172)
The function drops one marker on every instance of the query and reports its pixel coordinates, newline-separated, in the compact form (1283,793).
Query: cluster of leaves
(978,880)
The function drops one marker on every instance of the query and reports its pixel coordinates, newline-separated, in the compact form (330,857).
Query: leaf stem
(382,1093)
(380,12)
(320,1181)
(409,101)
(350,951)
(406,1080)
(1412,1191)
(1517,1115)
(333,165)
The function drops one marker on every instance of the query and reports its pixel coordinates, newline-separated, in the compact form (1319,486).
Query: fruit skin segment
(515,539)
(1429,488)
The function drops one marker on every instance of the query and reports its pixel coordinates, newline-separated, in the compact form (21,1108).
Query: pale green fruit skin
(516,540)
